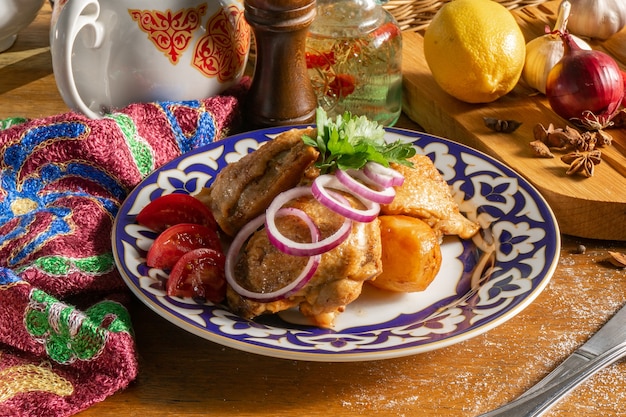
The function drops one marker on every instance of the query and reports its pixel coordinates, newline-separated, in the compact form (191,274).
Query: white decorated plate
(482,282)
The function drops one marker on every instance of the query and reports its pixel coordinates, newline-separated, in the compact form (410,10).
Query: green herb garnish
(349,142)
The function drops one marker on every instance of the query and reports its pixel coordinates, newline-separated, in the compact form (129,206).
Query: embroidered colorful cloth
(66,339)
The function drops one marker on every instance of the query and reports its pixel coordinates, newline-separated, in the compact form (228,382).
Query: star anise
(603,138)
(564,139)
(582,163)
(501,125)
(585,141)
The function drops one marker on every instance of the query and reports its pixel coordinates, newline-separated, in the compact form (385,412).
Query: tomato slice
(179,239)
(199,274)
(168,210)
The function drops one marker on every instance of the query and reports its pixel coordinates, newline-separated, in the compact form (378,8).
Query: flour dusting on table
(531,358)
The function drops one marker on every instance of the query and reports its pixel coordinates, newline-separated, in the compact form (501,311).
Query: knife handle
(576,369)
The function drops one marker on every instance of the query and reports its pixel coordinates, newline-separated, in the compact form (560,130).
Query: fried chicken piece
(337,282)
(426,195)
(244,189)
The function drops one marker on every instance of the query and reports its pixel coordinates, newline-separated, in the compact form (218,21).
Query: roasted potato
(411,255)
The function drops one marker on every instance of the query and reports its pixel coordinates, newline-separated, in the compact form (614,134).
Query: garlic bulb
(598,19)
(544,52)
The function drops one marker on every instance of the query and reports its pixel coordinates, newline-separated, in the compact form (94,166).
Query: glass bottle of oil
(354,59)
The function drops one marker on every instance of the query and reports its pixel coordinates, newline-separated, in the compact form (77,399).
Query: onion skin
(383,176)
(352,180)
(584,81)
(290,247)
(624,80)
(321,191)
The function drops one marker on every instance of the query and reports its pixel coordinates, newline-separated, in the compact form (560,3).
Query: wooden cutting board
(592,207)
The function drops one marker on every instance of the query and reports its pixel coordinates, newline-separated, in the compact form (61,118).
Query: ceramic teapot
(15,15)
(108,54)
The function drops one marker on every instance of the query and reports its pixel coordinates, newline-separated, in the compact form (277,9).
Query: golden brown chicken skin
(243,190)
(337,282)
(427,196)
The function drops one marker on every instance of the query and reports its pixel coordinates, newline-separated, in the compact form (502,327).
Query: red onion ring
(298,283)
(292,247)
(359,183)
(320,192)
(354,182)
(382,175)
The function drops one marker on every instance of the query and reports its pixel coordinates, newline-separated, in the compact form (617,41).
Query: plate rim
(325,356)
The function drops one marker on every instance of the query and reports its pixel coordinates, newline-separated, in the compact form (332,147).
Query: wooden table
(183,375)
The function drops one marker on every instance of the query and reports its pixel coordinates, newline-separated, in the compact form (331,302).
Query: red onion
(320,191)
(288,246)
(584,85)
(300,281)
(359,183)
(624,80)
(383,176)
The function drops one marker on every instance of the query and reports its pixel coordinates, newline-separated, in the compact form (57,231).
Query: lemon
(475,50)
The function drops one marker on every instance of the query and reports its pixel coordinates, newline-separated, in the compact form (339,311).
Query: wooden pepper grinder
(281,92)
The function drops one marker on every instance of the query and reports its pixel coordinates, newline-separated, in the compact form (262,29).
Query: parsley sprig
(349,142)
